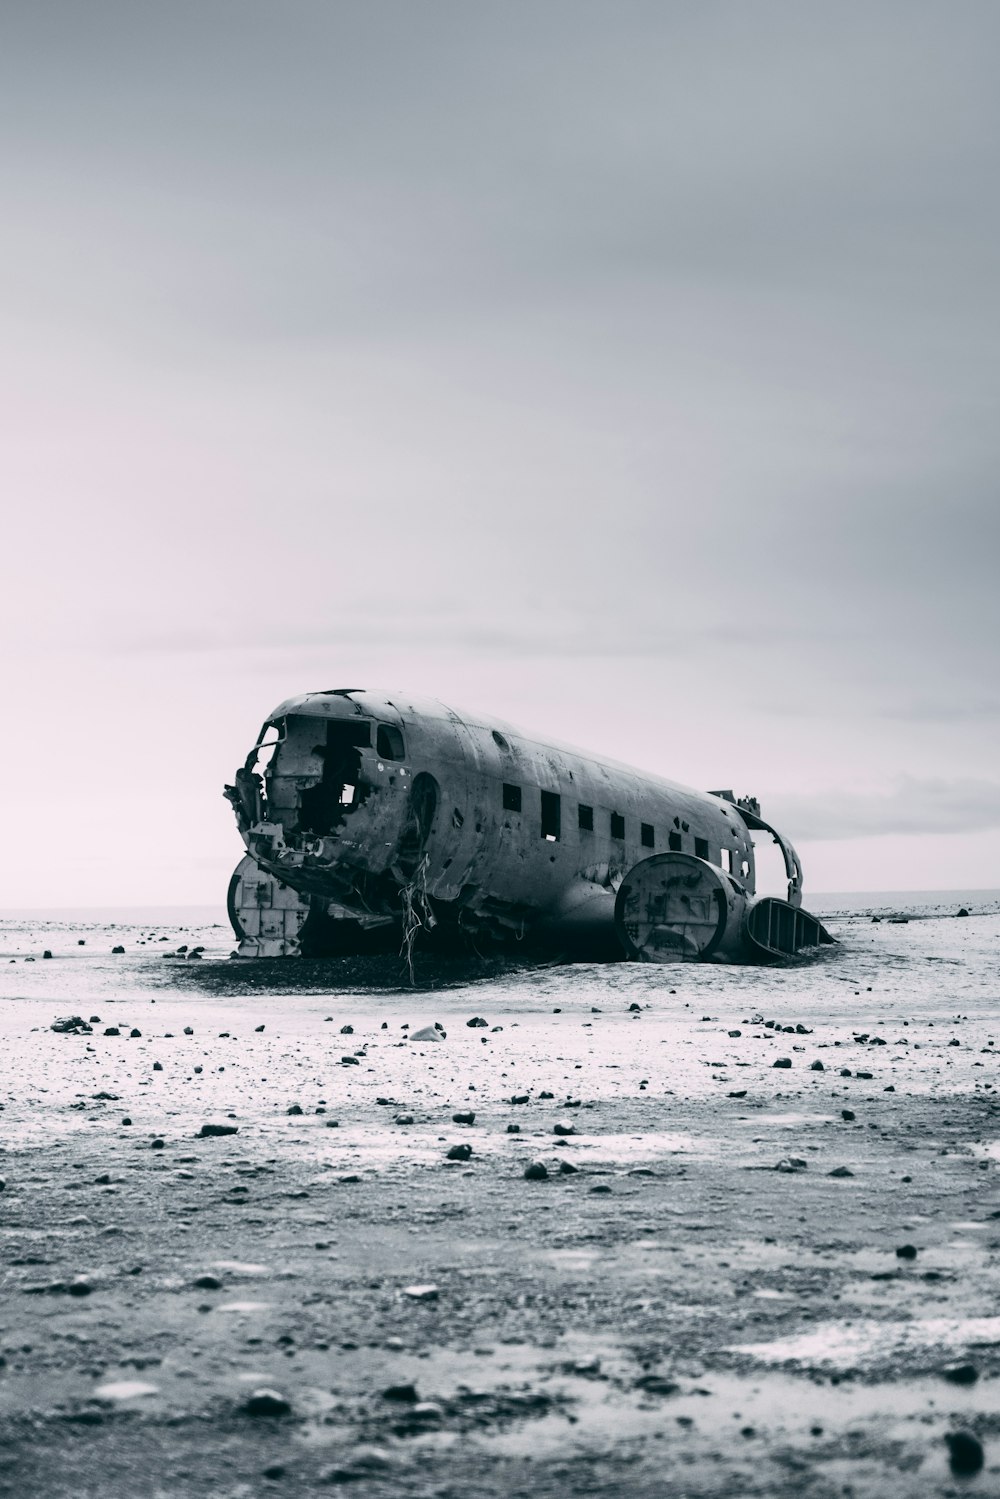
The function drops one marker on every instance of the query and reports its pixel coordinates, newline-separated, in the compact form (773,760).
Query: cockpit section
(322,801)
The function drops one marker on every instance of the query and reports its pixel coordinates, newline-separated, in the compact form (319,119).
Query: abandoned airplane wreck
(372,820)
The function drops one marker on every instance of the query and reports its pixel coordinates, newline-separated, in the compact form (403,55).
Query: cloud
(913,806)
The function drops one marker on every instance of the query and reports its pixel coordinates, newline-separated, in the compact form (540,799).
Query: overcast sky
(626,370)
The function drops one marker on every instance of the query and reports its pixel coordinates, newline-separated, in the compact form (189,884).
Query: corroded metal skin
(385,812)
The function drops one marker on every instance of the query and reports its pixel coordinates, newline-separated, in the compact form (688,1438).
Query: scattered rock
(906,1252)
(791,1163)
(209,1131)
(294,1108)
(564,1129)
(118,949)
(816,1066)
(965,1453)
(848,1114)
(468,1117)
(67,1023)
(964,1374)
(460,1153)
(267,1403)
(961,911)
(738,1093)
(782,1062)
(477,1023)
(428,1033)
(135,1033)
(656,1384)
(520,1098)
(403,1119)
(601,1190)
(567,1169)
(404,1393)
(535,1172)
(362,1463)
(840,1171)
(208,1283)
(421,1293)
(349,1062)
(513,1129)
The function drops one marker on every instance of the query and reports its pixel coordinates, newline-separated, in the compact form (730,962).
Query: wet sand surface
(704,1295)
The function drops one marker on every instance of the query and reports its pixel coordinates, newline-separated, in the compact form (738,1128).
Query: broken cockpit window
(271,736)
(249,794)
(323,806)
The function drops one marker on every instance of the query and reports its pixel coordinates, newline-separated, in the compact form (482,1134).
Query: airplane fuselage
(380,806)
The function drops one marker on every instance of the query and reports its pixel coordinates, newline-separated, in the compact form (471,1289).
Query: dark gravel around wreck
(727,1278)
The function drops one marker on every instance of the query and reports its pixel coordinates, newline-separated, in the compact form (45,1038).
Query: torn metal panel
(398,812)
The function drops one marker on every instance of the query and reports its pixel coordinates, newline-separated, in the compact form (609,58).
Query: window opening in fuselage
(511,798)
(701,848)
(676,843)
(617,825)
(551,816)
(389,744)
(585,818)
(648,835)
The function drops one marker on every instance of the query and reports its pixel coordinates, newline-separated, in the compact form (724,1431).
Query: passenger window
(551,818)
(389,743)
(617,825)
(586,818)
(648,835)
(727,860)
(511,798)
(676,843)
(701,848)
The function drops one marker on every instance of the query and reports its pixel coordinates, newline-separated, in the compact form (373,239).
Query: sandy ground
(698,1308)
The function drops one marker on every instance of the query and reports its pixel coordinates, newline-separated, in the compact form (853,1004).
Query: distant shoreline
(208,914)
